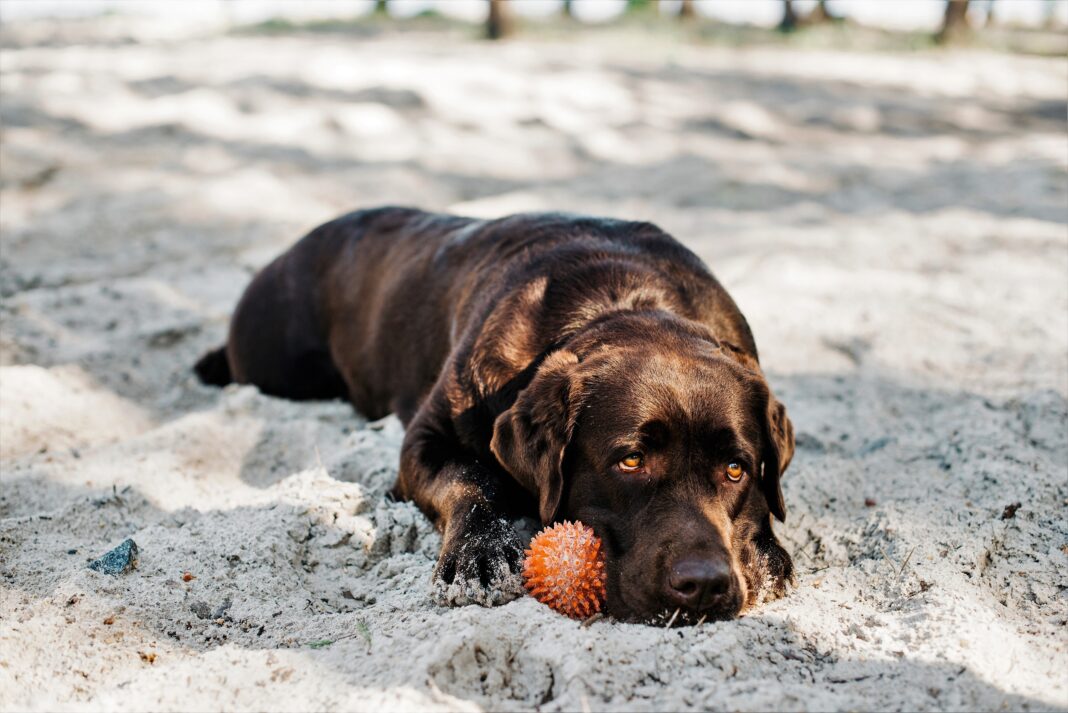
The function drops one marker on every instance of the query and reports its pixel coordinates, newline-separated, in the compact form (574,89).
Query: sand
(894,227)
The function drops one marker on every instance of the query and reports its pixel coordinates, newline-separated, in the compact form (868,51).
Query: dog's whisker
(672,619)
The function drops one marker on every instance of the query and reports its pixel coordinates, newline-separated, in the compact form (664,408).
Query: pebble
(120,560)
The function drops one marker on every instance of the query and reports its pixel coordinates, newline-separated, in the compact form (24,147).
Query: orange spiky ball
(564,569)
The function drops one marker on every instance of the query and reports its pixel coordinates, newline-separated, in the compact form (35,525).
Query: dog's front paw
(772,572)
(481,563)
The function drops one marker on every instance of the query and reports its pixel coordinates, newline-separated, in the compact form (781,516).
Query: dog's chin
(679,618)
(659,614)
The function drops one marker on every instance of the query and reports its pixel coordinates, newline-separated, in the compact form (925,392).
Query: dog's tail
(214,368)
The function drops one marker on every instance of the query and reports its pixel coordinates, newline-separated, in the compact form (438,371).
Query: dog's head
(670,445)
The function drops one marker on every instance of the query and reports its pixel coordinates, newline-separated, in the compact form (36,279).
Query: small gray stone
(120,560)
(204,611)
(221,610)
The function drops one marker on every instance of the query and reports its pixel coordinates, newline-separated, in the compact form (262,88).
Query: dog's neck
(627,293)
(657,325)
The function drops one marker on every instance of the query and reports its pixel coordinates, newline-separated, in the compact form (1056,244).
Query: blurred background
(189,142)
(882,186)
(997,17)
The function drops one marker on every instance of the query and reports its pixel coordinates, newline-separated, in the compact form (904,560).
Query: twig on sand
(924,586)
(673,618)
(901,569)
(801,551)
(594,617)
(905,563)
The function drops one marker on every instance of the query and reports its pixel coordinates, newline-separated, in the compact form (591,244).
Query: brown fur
(527,356)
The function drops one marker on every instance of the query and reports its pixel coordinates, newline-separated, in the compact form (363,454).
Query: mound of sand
(893,227)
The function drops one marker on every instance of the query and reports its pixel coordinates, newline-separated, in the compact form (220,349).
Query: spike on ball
(564,569)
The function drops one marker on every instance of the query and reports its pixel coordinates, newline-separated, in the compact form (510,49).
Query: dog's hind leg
(213,368)
(277,339)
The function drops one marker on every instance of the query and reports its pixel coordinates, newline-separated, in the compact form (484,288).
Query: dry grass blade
(886,556)
(590,620)
(904,564)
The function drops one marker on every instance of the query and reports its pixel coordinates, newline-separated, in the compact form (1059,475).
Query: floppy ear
(778,437)
(529,439)
(778,451)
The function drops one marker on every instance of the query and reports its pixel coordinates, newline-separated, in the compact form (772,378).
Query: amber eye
(735,472)
(632,463)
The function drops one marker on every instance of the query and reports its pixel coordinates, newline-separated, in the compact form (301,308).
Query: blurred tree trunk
(954,22)
(499,22)
(381,7)
(821,14)
(990,19)
(687,10)
(1050,19)
(566,9)
(789,17)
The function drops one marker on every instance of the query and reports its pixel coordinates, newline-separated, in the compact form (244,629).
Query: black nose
(697,583)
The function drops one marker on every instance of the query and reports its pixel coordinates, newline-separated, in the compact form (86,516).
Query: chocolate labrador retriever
(550,365)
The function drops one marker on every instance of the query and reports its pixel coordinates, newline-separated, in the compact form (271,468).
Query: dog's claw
(480,565)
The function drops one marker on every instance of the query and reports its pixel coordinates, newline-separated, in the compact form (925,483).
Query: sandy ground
(894,228)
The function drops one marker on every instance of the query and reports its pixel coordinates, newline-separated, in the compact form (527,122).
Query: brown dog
(550,365)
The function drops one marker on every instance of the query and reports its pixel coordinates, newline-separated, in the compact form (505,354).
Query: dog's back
(369,306)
